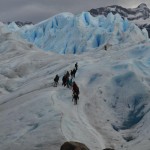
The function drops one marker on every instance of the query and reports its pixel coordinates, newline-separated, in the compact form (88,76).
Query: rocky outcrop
(73,146)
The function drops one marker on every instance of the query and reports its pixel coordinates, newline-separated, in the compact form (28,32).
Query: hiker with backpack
(67,82)
(74,72)
(56,79)
(75,88)
(64,80)
(105,48)
(67,74)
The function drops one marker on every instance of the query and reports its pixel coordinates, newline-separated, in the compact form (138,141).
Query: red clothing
(75,88)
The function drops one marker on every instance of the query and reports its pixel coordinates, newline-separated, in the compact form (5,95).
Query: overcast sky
(38,10)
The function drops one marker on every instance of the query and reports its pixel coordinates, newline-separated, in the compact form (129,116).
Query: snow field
(113,109)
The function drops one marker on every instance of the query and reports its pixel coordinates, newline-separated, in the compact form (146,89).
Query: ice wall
(68,33)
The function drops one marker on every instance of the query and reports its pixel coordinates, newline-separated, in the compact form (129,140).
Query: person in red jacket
(75,88)
(75,95)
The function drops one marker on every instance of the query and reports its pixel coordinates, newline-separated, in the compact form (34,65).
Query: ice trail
(74,123)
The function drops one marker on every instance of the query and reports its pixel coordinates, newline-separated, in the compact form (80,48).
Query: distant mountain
(20,24)
(142,11)
(139,15)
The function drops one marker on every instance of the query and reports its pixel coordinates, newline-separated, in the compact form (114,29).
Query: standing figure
(67,74)
(70,82)
(64,80)
(67,81)
(75,95)
(75,88)
(75,98)
(56,79)
(76,66)
(105,47)
(74,72)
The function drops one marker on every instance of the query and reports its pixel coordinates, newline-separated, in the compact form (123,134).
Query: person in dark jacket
(105,47)
(75,98)
(70,82)
(67,74)
(64,80)
(67,81)
(74,72)
(56,79)
(76,66)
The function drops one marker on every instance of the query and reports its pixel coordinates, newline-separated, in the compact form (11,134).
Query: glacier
(68,33)
(113,109)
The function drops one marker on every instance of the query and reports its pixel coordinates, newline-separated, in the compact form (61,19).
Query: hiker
(56,79)
(64,80)
(76,66)
(75,98)
(70,82)
(75,88)
(105,48)
(67,74)
(74,72)
(67,81)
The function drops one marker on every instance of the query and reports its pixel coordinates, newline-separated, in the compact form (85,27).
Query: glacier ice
(68,33)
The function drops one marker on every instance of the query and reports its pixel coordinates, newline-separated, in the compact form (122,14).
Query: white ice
(68,33)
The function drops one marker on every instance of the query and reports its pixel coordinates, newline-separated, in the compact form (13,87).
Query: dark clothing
(75,88)
(64,80)
(67,74)
(74,72)
(75,98)
(67,81)
(56,79)
(76,66)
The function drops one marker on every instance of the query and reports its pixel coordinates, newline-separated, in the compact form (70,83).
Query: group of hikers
(67,80)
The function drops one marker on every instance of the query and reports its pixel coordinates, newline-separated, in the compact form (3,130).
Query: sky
(39,10)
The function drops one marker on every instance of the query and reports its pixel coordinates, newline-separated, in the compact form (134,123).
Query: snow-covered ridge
(139,15)
(68,33)
(140,12)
